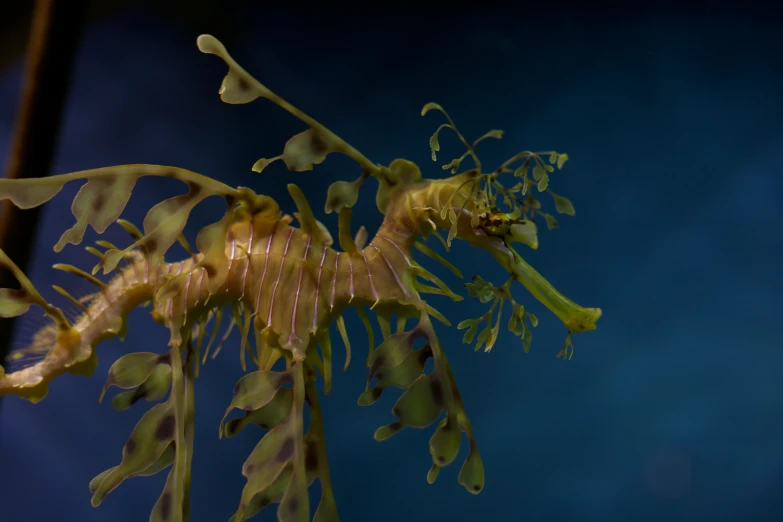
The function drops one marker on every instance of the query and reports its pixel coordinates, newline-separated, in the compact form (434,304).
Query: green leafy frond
(396,364)
(286,460)
(485,292)
(163,437)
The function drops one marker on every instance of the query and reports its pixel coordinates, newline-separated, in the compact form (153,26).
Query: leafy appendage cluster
(488,195)
(310,147)
(395,363)
(498,295)
(286,461)
(163,437)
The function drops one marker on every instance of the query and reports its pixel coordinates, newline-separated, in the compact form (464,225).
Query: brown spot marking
(194,190)
(130,446)
(210,268)
(376,364)
(425,353)
(476,487)
(376,393)
(436,388)
(165,505)
(311,458)
(286,450)
(151,244)
(286,378)
(166,427)
(98,203)
(249,469)
(332,202)
(293,505)
(243,85)
(317,143)
(140,392)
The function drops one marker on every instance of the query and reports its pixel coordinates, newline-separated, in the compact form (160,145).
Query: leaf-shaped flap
(238,87)
(149,439)
(99,203)
(392,351)
(445,442)
(17,302)
(163,224)
(419,406)
(165,460)
(131,370)
(255,390)
(306,149)
(341,194)
(471,476)
(154,388)
(281,449)
(14,303)
(400,375)
(268,416)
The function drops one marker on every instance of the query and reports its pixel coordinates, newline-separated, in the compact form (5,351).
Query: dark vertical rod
(57,27)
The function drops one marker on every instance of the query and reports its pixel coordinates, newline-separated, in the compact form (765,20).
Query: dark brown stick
(56,30)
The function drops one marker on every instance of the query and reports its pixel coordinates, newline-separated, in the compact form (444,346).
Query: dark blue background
(671,410)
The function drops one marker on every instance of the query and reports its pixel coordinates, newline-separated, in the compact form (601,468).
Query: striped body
(294,284)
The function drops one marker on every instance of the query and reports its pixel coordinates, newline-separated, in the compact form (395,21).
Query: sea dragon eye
(510,228)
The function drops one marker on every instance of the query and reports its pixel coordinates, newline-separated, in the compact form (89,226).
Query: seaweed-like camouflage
(245,262)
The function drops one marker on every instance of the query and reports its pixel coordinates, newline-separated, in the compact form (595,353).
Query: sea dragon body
(287,285)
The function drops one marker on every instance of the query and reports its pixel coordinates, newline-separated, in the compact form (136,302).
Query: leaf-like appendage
(341,194)
(255,390)
(267,416)
(426,396)
(275,469)
(163,224)
(149,439)
(16,302)
(306,149)
(563,205)
(102,199)
(400,174)
(238,86)
(99,203)
(394,363)
(153,388)
(131,370)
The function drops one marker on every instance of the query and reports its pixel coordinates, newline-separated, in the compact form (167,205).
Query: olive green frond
(163,437)
(426,396)
(286,460)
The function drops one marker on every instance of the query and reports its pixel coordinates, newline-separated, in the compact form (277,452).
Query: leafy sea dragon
(286,285)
